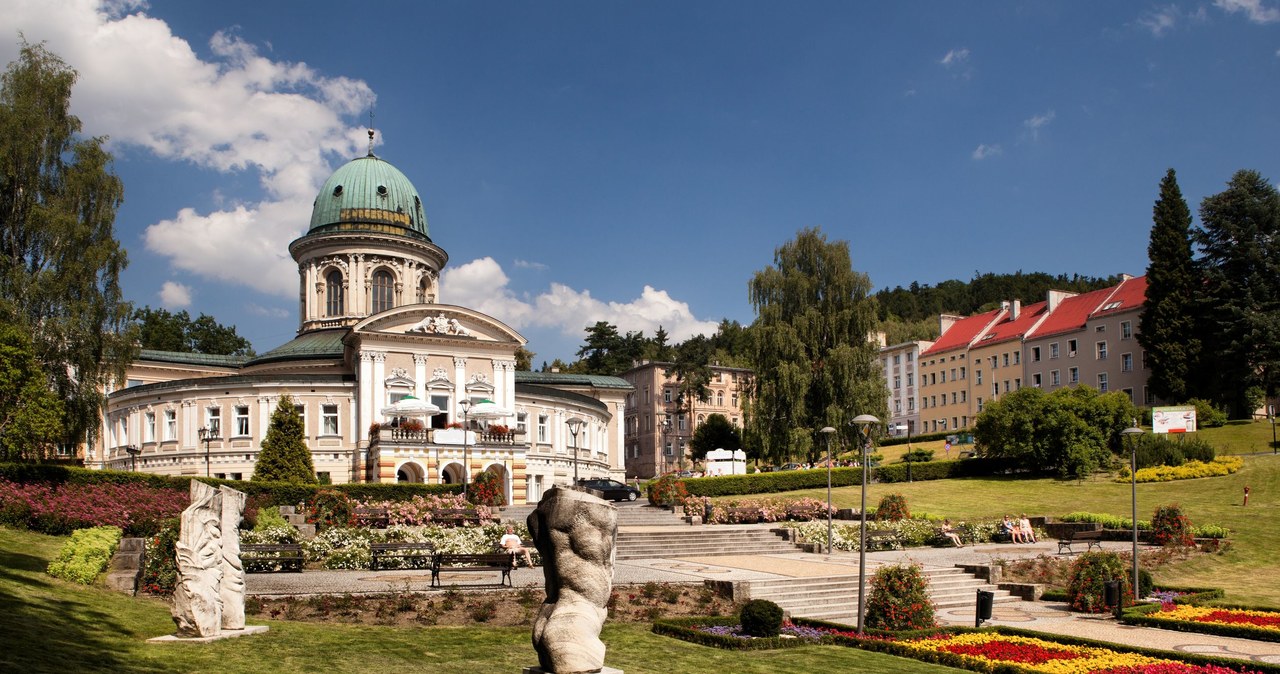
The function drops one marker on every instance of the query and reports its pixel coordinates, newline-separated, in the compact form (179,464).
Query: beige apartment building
(996,356)
(656,434)
(946,400)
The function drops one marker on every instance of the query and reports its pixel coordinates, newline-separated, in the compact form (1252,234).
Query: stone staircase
(700,541)
(835,598)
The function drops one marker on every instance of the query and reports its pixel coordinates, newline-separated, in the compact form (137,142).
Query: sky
(638,162)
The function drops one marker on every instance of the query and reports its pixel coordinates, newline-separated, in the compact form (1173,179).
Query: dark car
(612,489)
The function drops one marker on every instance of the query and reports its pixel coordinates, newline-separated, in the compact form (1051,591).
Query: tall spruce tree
(815,364)
(1167,325)
(1239,241)
(60,263)
(284,456)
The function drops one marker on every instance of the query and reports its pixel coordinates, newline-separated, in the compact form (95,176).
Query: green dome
(368,193)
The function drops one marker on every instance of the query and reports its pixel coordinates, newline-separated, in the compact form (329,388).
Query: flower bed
(1190,470)
(135,508)
(1247,623)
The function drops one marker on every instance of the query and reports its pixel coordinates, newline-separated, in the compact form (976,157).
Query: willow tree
(60,262)
(812,351)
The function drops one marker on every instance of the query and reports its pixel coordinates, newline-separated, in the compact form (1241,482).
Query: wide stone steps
(699,542)
(835,598)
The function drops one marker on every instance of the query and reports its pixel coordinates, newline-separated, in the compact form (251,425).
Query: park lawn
(1249,571)
(1239,437)
(48,625)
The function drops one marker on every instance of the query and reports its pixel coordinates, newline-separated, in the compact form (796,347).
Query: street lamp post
(1131,436)
(133,456)
(827,431)
(206,436)
(665,427)
(1271,414)
(575,425)
(466,459)
(863,424)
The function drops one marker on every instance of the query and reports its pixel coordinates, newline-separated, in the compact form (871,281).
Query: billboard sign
(1173,419)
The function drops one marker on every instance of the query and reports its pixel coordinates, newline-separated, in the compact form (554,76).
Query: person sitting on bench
(1011,528)
(510,542)
(1028,534)
(951,534)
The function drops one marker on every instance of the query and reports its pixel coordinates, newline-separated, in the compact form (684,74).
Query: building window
(944,376)
(213,421)
(897,382)
(1035,380)
(978,377)
(383,291)
(1071,348)
(962,373)
(149,427)
(242,420)
(897,407)
(522,422)
(933,378)
(1017,357)
(953,397)
(897,359)
(1101,348)
(1074,375)
(1017,383)
(995,389)
(964,396)
(734,399)
(423,286)
(542,428)
(979,403)
(1146,396)
(1055,378)
(335,298)
(666,396)
(1099,328)
(1005,360)
(170,425)
(719,398)
(301,410)
(1035,354)
(1126,362)
(944,400)
(953,374)
(680,422)
(1129,392)
(1126,330)
(1053,351)
(329,419)
(1102,382)
(646,395)
(911,404)
(1006,386)
(667,449)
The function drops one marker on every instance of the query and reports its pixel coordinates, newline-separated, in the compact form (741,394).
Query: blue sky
(637,162)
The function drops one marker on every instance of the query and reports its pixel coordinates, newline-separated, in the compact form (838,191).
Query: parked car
(790,466)
(611,489)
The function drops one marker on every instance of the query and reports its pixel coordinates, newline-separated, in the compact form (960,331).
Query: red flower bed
(1005,651)
(1237,618)
(135,508)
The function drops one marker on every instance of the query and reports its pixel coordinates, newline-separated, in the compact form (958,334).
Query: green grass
(1239,437)
(49,625)
(1249,572)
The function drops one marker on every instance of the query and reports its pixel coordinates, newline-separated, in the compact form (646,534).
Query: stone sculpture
(231,589)
(575,534)
(197,603)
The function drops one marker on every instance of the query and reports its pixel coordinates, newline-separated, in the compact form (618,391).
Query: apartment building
(996,356)
(655,436)
(946,401)
(900,371)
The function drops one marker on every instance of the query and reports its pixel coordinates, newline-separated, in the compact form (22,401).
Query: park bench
(455,517)
(411,555)
(1002,537)
(800,513)
(265,557)
(366,516)
(1093,538)
(883,539)
(497,561)
(744,515)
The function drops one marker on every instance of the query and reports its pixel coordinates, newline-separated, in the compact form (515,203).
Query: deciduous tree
(714,433)
(30,414)
(815,364)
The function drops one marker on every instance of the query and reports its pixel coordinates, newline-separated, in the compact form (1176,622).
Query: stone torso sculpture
(575,534)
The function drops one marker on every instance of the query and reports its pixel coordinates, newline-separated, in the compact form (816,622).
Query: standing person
(1246,496)
(1028,534)
(510,542)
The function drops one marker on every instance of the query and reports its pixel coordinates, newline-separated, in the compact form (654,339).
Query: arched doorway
(451,474)
(503,480)
(410,471)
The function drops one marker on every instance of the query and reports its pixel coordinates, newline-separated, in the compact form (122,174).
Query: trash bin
(985,601)
(1111,593)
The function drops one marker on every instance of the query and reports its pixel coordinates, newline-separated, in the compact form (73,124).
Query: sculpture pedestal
(539,670)
(224,634)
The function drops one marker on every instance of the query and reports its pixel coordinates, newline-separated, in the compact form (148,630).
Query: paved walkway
(1049,617)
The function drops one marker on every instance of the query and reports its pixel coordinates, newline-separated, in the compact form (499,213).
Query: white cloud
(239,111)
(1253,10)
(269,312)
(983,151)
(1160,20)
(536,266)
(482,285)
(955,57)
(1037,122)
(174,295)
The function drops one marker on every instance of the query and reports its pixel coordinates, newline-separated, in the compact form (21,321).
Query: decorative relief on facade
(439,325)
(459,361)
(420,358)
(479,378)
(379,356)
(399,372)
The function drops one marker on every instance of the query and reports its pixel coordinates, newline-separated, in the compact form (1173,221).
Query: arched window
(335,302)
(382,298)
(719,398)
(423,286)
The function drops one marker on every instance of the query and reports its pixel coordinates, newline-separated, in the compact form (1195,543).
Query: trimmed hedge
(682,628)
(270,493)
(86,554)
(814,478)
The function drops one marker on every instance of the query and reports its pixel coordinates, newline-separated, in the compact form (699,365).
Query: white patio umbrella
(410,406)
(487,410)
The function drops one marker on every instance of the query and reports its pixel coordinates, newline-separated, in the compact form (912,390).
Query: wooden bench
(412,555)
(370,517)
(744,515)
(804,513)
(1093,538)
(883,539)
(498,561)
(266,557)
(455,517)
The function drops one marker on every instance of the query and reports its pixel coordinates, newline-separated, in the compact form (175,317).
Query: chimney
(945,321)
(1016,310)
(1055,298)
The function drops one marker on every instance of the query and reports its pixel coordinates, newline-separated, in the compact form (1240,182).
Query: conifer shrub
(1169,526)
(285,456)
(899,599)
(761,618)
(892,508)
(1086,582)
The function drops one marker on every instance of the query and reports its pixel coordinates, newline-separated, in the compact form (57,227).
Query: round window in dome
(382,190)
(337,191)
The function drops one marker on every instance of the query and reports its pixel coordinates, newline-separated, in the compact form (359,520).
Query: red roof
(1010,328)
(1129,295)
(962,332)
(1071,313)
